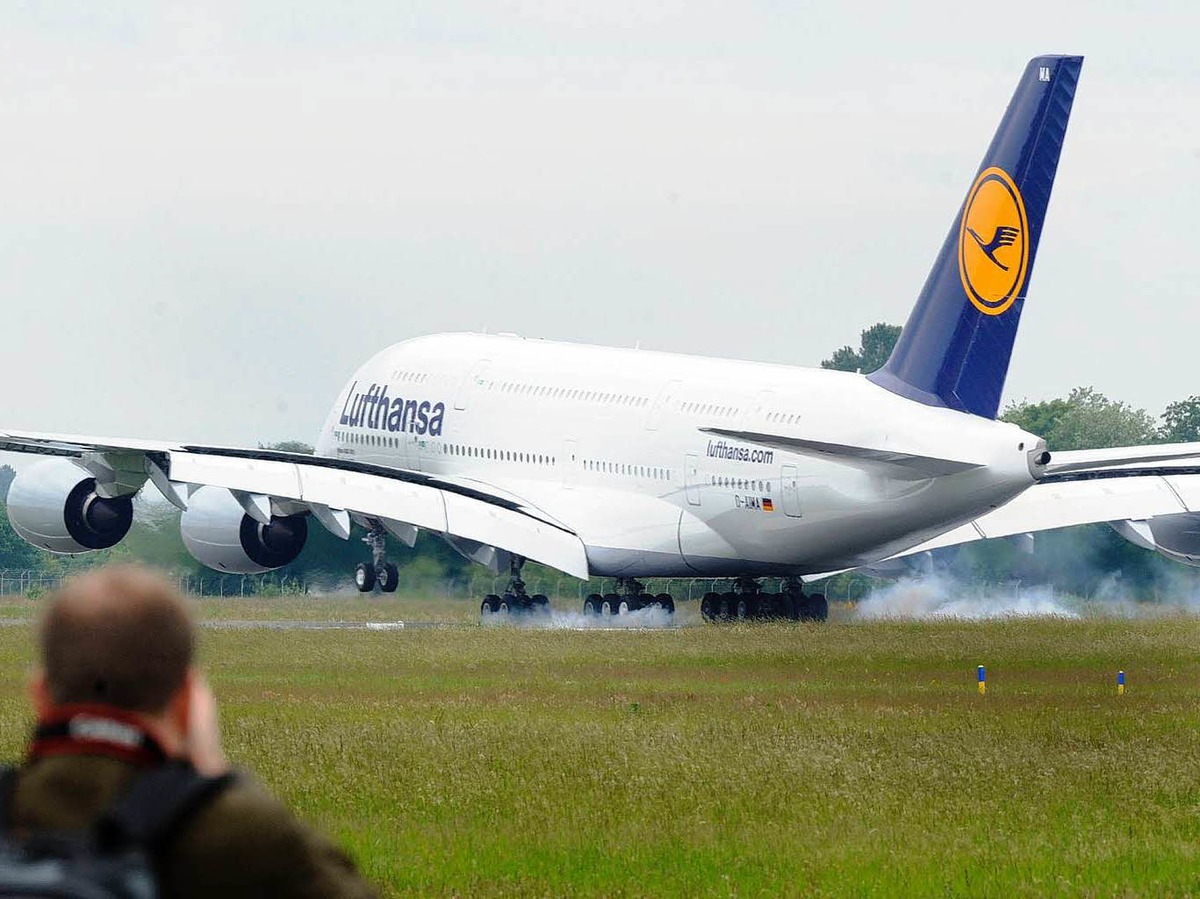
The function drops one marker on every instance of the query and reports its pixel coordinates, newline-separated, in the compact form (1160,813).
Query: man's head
(118,636)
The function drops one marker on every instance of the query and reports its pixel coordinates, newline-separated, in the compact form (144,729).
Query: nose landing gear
(379,572)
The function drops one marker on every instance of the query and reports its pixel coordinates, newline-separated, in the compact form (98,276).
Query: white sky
(208,219)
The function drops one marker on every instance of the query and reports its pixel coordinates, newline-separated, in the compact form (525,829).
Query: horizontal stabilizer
(1117,457)
(916,466)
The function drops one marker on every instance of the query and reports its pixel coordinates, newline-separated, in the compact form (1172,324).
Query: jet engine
(53,505)
(1174,536)
(218,533)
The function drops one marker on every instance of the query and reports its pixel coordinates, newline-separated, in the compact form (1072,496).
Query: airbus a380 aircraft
(631,464)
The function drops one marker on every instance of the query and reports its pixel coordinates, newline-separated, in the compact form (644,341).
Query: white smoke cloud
(940,596)
(558,619)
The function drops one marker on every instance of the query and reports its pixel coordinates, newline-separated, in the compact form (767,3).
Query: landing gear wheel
(710,606)
(665,602)
(364,577)
(540,603)
(745,607)
(592,603)
(388,578)
(508,605)
(490,606)
(609,604)
(628,604)
(727,608)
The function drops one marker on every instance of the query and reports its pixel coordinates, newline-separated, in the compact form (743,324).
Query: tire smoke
(941,596)
(556,619)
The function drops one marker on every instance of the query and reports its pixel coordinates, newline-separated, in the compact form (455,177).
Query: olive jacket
(242,842)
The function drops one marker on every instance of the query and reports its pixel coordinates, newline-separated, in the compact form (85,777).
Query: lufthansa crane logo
(993,242)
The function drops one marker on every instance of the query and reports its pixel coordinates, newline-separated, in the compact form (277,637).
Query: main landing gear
(379,572)
(514,600)
(747,601)
(631,598)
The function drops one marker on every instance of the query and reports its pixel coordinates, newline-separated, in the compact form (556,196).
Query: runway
(248,624)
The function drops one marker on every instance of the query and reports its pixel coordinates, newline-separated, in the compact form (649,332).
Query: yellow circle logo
(993,242)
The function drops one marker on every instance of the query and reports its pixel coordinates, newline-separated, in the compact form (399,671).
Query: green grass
(848,759)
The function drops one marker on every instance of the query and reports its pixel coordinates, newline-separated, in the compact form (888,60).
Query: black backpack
(115,857)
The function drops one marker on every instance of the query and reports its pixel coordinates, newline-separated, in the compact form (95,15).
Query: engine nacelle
(1174,536)
(53,505)
(218,533)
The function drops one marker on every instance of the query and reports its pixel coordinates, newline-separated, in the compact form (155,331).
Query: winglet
(955,349)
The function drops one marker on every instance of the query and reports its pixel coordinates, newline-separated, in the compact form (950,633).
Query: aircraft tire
(727,609)
(388,578)
(666,603)
(629,604)
(609,604)
(490,605)
(540,603)
(591,605)
(709,606)
(364,577)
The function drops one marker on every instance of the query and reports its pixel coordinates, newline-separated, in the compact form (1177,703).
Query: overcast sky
(208,219)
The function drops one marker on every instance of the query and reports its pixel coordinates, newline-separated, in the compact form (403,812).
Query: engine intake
(53,505)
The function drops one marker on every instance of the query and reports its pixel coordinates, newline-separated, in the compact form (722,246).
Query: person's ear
(39,693)
(179,709)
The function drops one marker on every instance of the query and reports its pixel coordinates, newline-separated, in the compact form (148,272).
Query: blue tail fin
(954,350)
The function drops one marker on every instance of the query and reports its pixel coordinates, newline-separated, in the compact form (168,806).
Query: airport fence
(34,583)
(566,590)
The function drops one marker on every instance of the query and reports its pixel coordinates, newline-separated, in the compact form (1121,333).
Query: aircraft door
(757,411)
(790,488)
(665,397)
(411,452)
(473,379)
(691,478)
(570,463)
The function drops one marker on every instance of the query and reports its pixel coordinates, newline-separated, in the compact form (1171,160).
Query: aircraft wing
(468,510)
(1088,487)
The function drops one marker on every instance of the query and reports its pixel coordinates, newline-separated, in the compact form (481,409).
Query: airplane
(629,464)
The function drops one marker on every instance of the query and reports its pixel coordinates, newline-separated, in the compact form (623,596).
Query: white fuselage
(609,442)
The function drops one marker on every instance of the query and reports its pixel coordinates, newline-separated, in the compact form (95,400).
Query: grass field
(845,759)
